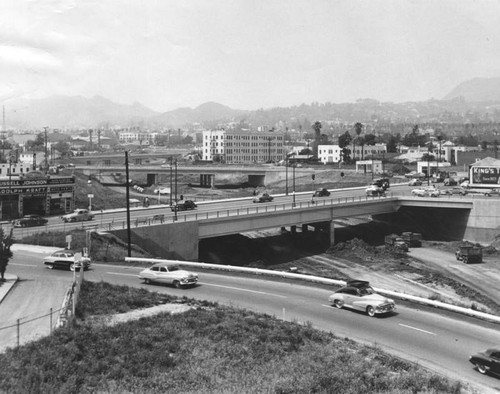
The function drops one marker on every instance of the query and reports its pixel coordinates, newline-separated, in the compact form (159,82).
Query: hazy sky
(246,54)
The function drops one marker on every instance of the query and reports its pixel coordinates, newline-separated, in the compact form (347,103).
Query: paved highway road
(440,340)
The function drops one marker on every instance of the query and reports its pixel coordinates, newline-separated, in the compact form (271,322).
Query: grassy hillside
(209,349)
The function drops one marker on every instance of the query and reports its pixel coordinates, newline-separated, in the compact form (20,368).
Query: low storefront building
(45,196)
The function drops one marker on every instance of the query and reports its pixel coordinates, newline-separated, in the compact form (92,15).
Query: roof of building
(487,161)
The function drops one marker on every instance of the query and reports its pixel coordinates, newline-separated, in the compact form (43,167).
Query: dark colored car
(450,182)
(264,197)
(183,205)
(487,361)
(321,193)
(30,220)
(382,182)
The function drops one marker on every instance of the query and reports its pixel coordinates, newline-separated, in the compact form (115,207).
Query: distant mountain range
(63,112)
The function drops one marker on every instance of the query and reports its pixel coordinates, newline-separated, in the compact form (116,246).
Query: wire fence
(15,333)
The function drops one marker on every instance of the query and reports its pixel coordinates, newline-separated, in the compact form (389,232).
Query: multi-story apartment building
(369,151)
(143,137)
(243,147)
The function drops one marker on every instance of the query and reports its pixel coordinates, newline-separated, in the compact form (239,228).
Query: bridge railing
(257,208)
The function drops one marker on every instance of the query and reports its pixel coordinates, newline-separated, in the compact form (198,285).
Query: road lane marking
(417,329)
(247,290)
(119,273)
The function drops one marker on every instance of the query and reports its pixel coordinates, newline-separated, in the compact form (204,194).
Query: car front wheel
(177,284)
(370,311)
(50,266)
(338,304)
(481,368)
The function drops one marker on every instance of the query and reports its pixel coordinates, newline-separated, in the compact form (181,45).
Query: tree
(63,148)
(392,145)
(358,128)
(38,145)
(5,252)
(344,140)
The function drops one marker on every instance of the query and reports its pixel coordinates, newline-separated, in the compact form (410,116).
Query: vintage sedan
(67,259)
(428,191)
(78,215)
(30,220)
(374,190)
(415,182)
(321,193)
(169,274)
(264,197)
(359,295)
(183,205)
(487,361)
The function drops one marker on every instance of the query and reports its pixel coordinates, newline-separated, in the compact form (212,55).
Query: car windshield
(365,291)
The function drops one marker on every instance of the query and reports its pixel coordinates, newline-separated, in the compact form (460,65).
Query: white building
(243,147)
(329,153)
(142,137)
(369,151)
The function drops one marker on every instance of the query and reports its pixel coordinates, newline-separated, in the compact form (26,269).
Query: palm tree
(358,128)
(317,135)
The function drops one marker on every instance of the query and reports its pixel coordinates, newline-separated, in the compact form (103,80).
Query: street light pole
(171,185)
(293,192)
(286,174)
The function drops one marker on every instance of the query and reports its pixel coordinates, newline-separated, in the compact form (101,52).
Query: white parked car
(169,274)
(78,215)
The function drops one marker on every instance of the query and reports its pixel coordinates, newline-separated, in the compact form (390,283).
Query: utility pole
(127,184)
(46,162)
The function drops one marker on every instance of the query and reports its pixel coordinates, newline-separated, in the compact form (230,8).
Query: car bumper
(386,308)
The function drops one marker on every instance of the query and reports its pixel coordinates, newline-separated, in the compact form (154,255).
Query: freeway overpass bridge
(455,218)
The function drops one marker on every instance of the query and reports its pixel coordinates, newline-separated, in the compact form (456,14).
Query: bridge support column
(332,233)
(305,228)
(207,180)
(293,229)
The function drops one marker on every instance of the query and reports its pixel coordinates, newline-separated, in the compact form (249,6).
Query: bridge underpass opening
(440,224)
(256,180)
(262,248)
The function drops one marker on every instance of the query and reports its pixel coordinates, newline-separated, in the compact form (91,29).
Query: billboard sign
(485,175)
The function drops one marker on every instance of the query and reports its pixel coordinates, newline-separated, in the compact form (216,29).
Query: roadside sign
(90,195)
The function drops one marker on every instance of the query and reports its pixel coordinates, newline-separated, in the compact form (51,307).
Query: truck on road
(469,254)
(413,240)
(396,243)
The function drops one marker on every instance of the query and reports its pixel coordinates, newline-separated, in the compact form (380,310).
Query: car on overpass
(30,221)
(374,190)
(427,191)
(78,215)
(169,274)
(183,205)
(263,197)
(321,193)
(359,295)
